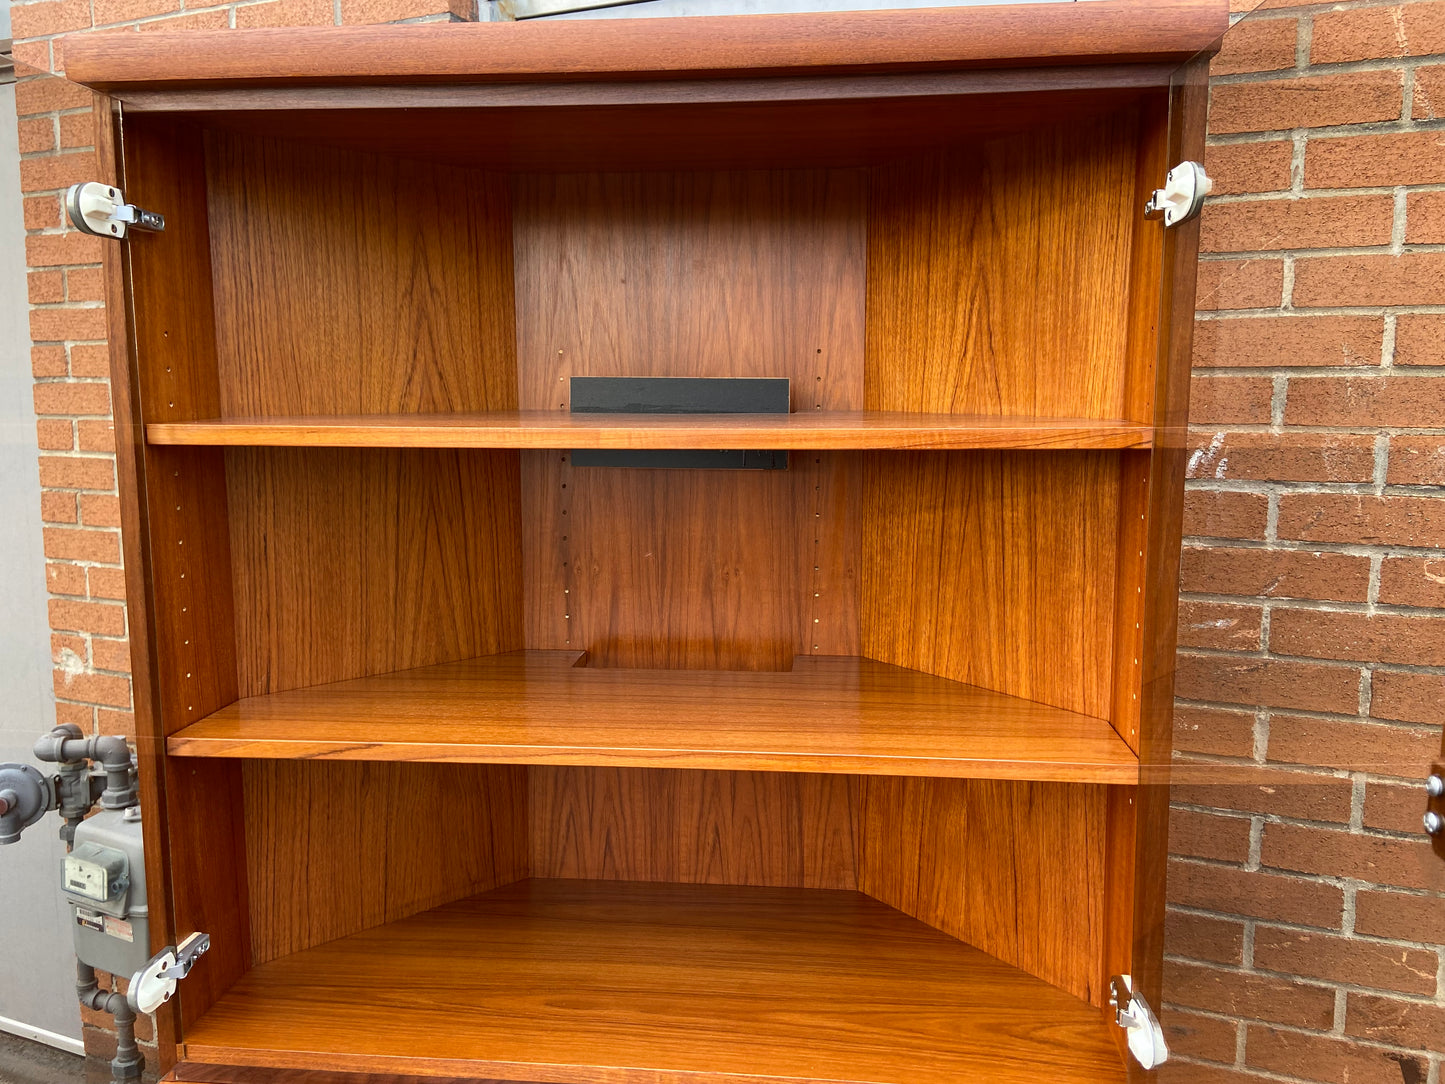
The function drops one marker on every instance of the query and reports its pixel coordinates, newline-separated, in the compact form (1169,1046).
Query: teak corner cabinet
(478,762)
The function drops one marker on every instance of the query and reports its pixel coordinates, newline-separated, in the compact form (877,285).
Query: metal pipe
(128,1063)
(66,745)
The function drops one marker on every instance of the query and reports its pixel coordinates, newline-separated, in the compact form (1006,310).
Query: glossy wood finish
(333,849)
(1188,107)
(663,983)
(996,569)
(350,283)
(998,275)
(1015,869)
(779,829)
(539,429)
(193,1072)
(825,715)
(188,634)
(871,41)
(692,274)
(349,563)
(672,274)
(125,384)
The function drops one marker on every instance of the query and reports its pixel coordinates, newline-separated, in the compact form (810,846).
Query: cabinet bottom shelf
(605,982)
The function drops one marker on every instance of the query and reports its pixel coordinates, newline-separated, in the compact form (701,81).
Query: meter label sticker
(90,922)
(118,927)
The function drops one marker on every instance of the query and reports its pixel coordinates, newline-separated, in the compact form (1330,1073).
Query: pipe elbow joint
(55,748)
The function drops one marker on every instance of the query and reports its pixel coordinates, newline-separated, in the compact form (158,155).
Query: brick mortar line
(1401,125)
(1310,605)
(1295,545)
(1305,252)
(1227,813)
(1224,1017)
(1286,195)
(1256,311)
(1316,982)
(1405,63)
(1329,880)
(1306,713)
(1267,655)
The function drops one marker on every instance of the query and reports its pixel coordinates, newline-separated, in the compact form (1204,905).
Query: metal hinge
(1185,187)
(1133,1014)
(152,986)
(100,209)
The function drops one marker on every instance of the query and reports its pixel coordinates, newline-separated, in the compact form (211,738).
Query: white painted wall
(37,965)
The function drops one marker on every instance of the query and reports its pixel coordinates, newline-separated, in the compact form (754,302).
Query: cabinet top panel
(709,48)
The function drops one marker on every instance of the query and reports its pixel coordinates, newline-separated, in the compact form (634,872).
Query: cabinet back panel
(1015,869)
(692,274)
(692,569)
(998,275)
(995,569)
(737,828)
(335,848)
(689,274)
(354,283)
(350,563)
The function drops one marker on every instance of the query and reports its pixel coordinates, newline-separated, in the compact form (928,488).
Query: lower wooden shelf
(827,714)
(605,982)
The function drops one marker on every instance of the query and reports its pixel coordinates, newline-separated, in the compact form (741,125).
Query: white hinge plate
(1133,1014)
(1182,196)
(100,209)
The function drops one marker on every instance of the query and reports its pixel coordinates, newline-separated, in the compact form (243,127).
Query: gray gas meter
(102,875)
(103,878)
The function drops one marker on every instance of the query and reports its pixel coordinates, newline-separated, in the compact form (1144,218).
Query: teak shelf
(540,707)
(702,983)
(476,761)
(885,430)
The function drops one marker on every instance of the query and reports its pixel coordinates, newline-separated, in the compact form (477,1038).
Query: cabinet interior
(982,258)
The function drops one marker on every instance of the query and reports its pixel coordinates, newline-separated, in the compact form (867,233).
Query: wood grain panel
(667,568)
(827,714)
(1013,868)
(187,628)
(1188,109)
(333,849)
(125,387)
(995,569)
(988,36)
(192,1072)
(732,274)
(586,981)
(692,274)
(895,430)
(739,828)
(998,275)
(349,563)
(353,283)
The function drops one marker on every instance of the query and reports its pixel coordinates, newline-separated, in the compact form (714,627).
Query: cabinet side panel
(350,563)
(187,565)
(998,275)
(996,569)
(1015,869)
(336,848)
(784,830)
(1189,104)
(351,283)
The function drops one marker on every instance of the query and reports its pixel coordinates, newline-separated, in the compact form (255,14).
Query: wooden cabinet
(478,762)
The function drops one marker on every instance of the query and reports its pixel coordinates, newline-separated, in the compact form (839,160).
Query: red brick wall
(1306,919)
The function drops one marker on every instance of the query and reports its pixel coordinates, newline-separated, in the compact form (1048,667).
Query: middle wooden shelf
(827,714)
(814,430)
